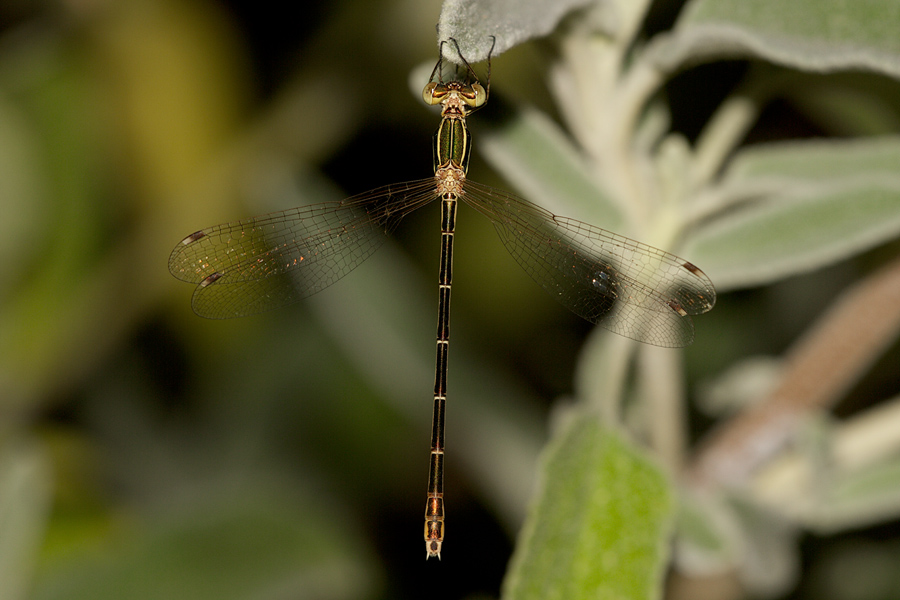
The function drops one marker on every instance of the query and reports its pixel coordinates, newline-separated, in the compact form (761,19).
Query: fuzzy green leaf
(473,22)
(542,164)
(813,203)
(805,162)
(859,498)
(811,35)
(600,524)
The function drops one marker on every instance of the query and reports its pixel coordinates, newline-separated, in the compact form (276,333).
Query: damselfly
(627,287)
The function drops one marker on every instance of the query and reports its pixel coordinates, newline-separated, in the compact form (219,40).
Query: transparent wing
(630,288)
(257,264)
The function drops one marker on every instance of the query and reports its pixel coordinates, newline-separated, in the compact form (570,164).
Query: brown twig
(820,368)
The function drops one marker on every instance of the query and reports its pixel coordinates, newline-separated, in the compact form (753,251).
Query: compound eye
(480,96)
(431,94)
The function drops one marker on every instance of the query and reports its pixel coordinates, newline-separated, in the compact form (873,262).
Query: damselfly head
(464,96)
(472,95)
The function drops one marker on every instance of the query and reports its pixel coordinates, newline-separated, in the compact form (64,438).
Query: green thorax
(452,144)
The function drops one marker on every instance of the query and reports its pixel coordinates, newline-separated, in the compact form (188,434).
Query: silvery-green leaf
(539,161)
(811,35)
(769,561)
(708,536)
(473,22)
(796,232)
(858,499)
(718,534)
(805,205)
(812,161)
